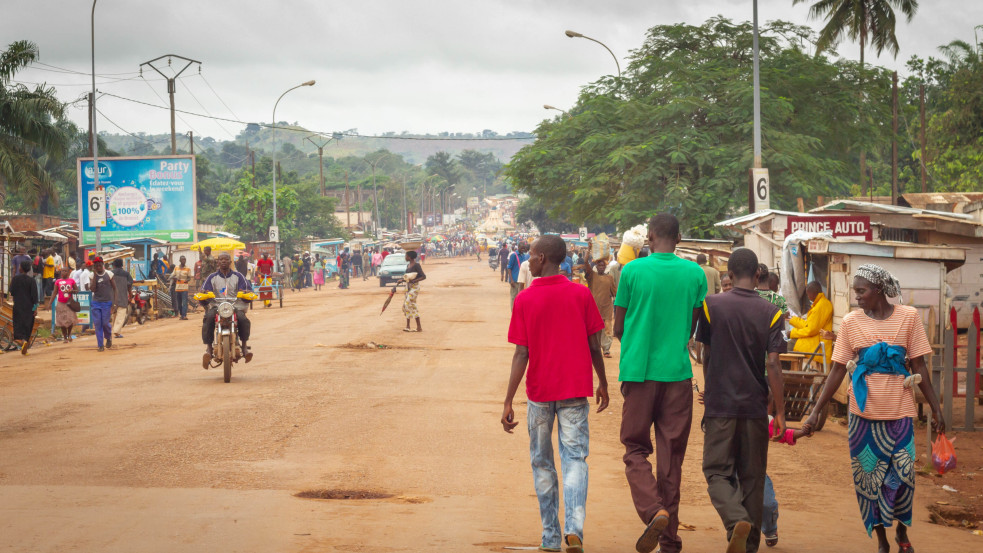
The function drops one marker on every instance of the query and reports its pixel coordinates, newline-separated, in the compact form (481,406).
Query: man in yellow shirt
(820,317)
(48,272)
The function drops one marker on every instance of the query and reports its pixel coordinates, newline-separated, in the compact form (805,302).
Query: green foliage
(248,210)
(865,21)
(674,134)
(29,128)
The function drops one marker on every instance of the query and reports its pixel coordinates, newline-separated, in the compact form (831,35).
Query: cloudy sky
(380,65)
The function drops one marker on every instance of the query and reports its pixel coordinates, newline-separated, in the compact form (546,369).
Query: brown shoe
(738,540)
(650,537)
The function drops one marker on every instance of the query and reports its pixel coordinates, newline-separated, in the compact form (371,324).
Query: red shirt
(385,253)
(265,266)
(553,318)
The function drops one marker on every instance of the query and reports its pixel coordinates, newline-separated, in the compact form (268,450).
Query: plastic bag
(600,247)
(943,454)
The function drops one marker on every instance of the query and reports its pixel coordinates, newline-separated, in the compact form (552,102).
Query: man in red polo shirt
(556,329)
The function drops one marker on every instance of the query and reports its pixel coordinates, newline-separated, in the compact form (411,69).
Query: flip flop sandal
(772,540)
(650,537)
(206,360)
(904,546)
(553,549)
(574,544)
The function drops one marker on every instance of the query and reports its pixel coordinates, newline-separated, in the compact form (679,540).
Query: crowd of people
(660,302)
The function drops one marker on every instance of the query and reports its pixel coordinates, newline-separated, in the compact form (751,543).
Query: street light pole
(375,194)
(757,93)
(171,87)
(547,106)
(575,34)
(95,135)
(277,243)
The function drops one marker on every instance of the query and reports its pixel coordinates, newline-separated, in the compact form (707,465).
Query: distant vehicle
(493,258)
(392,269)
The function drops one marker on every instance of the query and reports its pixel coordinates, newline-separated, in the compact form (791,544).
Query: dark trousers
(669,407)
(735,458)
(208,326)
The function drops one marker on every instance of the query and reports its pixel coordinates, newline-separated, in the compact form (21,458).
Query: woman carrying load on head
(875,345)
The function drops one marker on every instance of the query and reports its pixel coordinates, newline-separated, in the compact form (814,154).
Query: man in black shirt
(740,330)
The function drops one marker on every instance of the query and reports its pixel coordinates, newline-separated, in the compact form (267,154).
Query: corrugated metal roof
(751,217)
(860,207)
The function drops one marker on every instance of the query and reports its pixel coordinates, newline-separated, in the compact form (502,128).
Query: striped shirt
(887,398)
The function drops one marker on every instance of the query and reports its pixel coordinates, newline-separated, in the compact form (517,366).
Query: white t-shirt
(525,276)
(58,262)
(81,277)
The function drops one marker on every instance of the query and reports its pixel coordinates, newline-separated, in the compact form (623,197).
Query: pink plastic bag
(943,454)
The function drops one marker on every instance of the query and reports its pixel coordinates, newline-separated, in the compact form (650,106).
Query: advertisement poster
(146,197)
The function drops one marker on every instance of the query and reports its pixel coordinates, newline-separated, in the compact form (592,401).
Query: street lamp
(277,243)
(575,34)
(375,195)
(564,112)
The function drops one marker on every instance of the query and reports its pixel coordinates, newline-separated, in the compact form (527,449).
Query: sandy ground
(139,449)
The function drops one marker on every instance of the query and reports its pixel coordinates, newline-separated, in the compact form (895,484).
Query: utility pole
(921,108)
(406,221)
(348,208)
(171,86)
(91,135)
(252,159)
(894,139)
(191,139)
(320,155)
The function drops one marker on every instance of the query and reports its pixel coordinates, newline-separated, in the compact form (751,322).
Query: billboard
(146,197)
(842,226)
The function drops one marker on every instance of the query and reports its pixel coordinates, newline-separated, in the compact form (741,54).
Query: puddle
(342,494)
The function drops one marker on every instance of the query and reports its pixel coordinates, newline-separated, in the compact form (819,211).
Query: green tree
(249,210)
(674,133)
(870,22)
(28,129)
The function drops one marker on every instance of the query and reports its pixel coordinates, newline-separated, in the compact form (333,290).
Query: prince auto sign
(842,226)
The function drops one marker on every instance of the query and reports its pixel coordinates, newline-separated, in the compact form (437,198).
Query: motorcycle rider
(225,283)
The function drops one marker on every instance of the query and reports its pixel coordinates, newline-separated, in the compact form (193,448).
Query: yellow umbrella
(219,243)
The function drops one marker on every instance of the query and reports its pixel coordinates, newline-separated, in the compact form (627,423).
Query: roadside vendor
(820,317)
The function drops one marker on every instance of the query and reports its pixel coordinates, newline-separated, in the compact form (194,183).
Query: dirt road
(138,449)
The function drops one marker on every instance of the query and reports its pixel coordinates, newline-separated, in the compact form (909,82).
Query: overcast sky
(380,65)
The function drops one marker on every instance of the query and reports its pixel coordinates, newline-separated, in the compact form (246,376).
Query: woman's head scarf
(880,278)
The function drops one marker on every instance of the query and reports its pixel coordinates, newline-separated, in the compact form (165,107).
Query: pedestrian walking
(713,275)
(24,292)
(874,342)
(103,291)
(357,263)
(556,329)
(181,278)
(604,289)
(65,316)
(366,264)
(318,272)
(48,273)
(659,298)
(414,276)
(123,285)
(516,259)
(740,331)
(503,257)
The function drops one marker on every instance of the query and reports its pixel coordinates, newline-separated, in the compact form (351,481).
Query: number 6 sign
(760,189)
(97,208)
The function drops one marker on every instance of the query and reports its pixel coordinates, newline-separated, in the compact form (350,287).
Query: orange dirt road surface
(138,449)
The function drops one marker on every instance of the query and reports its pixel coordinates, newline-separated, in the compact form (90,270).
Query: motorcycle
(139,305)
(493,258)
(226,348)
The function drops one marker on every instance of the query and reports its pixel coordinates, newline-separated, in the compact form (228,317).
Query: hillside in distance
(414,149)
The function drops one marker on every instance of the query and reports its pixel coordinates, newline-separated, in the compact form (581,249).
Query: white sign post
(97,208)
(583,234)
(760,189)
(274,233)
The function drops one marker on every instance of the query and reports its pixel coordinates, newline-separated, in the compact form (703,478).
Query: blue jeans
(182,303)
(769,520)
(571,416)
(101,313)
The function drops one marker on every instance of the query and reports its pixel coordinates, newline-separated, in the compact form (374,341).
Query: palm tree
(28,129)
(870,22)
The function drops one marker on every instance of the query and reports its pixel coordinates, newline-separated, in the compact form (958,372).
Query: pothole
(342,494)
(367,345)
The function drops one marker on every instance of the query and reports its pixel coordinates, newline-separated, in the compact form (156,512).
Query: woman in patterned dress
(873,344)
(410,310)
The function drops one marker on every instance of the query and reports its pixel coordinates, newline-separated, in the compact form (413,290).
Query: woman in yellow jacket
(820,317)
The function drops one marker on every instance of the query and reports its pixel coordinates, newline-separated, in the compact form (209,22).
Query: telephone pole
(191,140)
(320,155)
(921,115)
(348,207)
(171,86)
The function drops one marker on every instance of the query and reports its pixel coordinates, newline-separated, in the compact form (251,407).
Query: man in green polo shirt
(657,305)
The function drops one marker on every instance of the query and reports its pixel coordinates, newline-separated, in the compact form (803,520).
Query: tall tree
(28,125)
(870,22)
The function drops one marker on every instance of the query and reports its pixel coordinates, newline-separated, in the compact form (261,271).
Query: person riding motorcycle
(225,283)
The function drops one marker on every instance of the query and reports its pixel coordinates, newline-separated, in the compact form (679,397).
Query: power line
(144,140)
(270,126)
(165,101)
(186,87)
(200,74)
(56,69)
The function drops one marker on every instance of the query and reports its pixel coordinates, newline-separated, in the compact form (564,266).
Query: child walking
(769,519)
(556,329)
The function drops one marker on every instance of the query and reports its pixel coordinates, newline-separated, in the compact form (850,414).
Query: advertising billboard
(146,197)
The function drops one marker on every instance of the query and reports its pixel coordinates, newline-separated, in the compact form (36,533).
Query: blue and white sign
(146,197)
